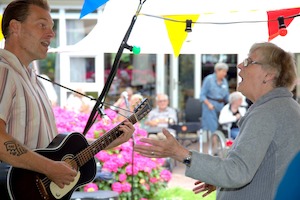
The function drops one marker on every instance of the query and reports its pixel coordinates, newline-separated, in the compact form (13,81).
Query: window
(82,69)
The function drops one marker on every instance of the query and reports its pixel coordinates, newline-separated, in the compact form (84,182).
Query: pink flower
(111,166)
(128,170)
(91,187)
(153,180)
(147,186)
(126,187)
(120,160)
(166,175)
(103,156)
(117,187)
(122,177)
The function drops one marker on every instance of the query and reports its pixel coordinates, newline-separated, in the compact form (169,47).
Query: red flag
(273,15)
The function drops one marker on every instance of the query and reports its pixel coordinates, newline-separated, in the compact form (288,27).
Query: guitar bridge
(41,188)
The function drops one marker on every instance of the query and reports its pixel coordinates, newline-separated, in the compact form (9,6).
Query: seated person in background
(79,103)
(231,113)
(160,117)
(122,105)
(124,99)
(134,101)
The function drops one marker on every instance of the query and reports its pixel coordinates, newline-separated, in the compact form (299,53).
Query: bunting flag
(176,31)
(273,25)
(90,6)
(1,35)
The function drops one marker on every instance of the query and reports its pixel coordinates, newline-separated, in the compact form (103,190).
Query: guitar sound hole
(70,160)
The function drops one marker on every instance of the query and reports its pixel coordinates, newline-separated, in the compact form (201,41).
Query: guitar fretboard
(101,143)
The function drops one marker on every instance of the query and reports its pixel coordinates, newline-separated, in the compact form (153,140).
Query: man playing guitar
(26,117)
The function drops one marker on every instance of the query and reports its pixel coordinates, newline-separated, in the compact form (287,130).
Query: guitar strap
(4,167)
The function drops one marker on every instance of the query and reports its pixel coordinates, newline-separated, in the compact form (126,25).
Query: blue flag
(90,6)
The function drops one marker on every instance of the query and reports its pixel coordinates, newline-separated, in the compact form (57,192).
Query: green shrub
(177,193)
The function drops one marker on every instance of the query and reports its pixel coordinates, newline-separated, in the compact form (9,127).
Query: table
(100,194)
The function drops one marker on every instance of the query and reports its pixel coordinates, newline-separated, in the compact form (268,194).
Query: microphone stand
(109,81)
(101,98)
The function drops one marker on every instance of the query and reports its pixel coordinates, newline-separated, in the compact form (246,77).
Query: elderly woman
(231,113)
(268,139)
(214,95)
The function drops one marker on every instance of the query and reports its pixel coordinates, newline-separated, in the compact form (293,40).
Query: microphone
(125,96)
(103,115)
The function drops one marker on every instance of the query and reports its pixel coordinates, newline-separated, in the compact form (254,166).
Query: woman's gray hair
(221,66)
(235,96)
(276,59)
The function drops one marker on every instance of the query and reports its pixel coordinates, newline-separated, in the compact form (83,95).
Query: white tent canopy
(151,35)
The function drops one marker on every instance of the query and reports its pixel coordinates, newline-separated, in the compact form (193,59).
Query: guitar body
(25,184)
(73,149)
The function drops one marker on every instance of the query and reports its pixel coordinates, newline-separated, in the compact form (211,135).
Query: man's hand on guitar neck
(127,128)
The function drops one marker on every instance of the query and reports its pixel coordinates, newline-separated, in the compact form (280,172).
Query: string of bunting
(277,20)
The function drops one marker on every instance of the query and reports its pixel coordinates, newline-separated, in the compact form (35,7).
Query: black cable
(91,98)
(87,96)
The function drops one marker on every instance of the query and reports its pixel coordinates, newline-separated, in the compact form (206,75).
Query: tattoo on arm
(14,148)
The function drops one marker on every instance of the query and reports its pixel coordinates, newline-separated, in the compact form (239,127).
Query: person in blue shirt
(214,95)
(289,186)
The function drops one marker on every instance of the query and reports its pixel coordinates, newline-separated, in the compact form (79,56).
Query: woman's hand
(210,106)
(202,187)
(169,147)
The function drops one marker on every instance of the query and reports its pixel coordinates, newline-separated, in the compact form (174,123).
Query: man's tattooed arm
(14,148)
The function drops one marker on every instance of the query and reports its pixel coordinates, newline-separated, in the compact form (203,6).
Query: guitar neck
(101,143)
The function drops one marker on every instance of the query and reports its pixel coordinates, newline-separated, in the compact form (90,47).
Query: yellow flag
(1,35)
(176,29)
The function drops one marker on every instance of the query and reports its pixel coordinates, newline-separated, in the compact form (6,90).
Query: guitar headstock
(142,109)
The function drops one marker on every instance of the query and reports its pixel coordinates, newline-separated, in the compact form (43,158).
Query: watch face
(187,161)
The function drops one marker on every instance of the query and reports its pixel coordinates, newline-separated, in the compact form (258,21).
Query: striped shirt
(24,104)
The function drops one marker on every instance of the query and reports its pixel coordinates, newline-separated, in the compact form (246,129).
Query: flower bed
(120,169)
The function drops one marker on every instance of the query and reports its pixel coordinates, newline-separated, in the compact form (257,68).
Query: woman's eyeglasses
(248,62)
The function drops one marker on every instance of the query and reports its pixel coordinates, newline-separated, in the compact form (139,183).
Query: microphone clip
(133,49)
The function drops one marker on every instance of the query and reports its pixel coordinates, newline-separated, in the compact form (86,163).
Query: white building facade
(83,52)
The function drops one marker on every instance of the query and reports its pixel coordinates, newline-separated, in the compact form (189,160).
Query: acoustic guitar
(72,148)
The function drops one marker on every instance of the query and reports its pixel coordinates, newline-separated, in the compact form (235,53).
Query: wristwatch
(188,159)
